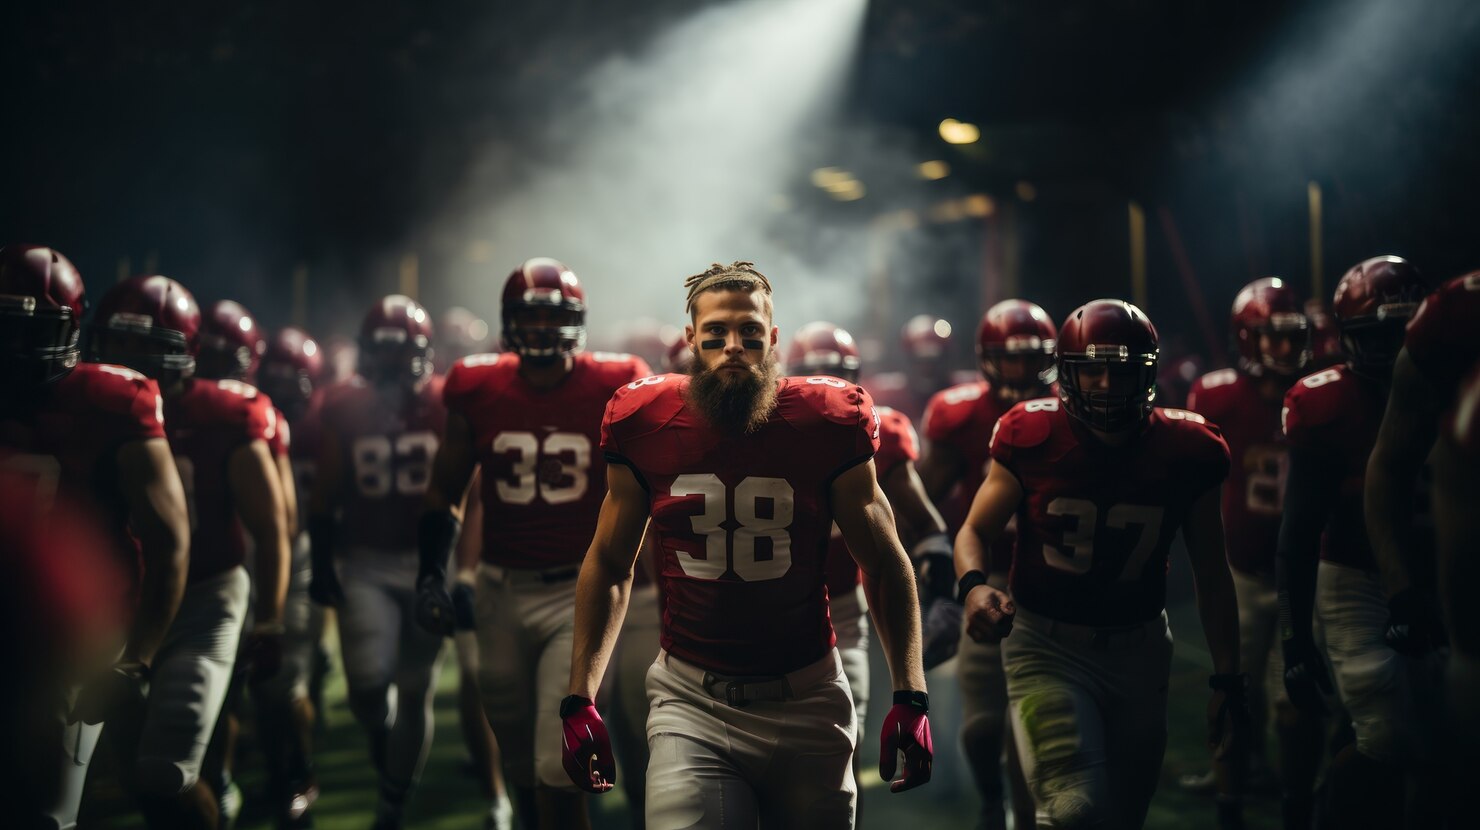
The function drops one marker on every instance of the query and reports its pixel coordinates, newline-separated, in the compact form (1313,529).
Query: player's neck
(546,375)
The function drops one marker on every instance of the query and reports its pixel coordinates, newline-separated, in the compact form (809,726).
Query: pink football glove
(907,730)
(587,749)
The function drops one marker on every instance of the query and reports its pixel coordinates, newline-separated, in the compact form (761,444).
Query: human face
(731,331)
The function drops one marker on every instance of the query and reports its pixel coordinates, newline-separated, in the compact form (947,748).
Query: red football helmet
(1017,329)
(41,306)
(823,349)
(149,324)
(680,357)
(544,311)
(926,339)
(460,333)
(1106,357)
(396,342)
(230,342)
(1267,311)
(1374,302)
(291,366)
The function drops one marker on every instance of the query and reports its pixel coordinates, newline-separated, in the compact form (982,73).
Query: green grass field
(448,798)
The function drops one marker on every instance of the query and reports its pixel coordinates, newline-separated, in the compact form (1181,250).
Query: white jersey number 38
(735,550)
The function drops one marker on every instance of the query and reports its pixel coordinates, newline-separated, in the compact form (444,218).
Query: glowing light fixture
(959,132)
(1026,191)
(933,171)
(979,205)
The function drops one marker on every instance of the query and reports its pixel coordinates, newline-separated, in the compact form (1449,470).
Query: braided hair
(737,276)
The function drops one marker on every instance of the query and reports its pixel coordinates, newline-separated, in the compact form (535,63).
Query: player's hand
(1228,716)
(464,599)
(121,689)
(434,607)
(989,614)
(264,652)
(942,631)
(907,731)
(1414,628)
(323,585)
(586,749)
(1306,680)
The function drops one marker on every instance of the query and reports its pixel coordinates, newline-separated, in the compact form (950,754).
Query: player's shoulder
(952,408)
(1215,392)
(1320,398)
(654,399)
(892,420)
(1031,423)
(477,371)
(613,369)
(103,386)
(232,401)
(1442,313)
(821,398)
(1187,429)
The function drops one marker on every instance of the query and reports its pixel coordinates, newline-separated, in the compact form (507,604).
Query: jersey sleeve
(259,421)
(897,441)
(132,401)
(145,412)
(949,410)
(1208,393)
(281,442)
(1306,409)
(1202,448)
(1021,429)
(624,412)
(463,379)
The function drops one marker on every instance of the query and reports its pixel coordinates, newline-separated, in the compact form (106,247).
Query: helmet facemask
(1035,371)
(1107,386)
(132,340)
(1372,343)
(37,345)
(545,331)
(1288,329)
(391,356)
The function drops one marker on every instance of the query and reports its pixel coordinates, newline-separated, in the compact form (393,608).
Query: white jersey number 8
(726,550)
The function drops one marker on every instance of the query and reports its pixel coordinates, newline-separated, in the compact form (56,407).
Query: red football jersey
(1096,522)
(206,423)
(1441,337)
(303,448)
(543,480)
(282,439)
(741,521)
(1337,413)
(387,441)
(69,442)
(897,444)
(1254,496)
(963,418)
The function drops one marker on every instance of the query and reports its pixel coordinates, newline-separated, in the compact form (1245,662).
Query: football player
(1331,421)
(1100,480)
(289,373)
(1271,336)
(925,342)
(219,432)
(529,420)
(460,333)
(741,475)
(94,433)
(820,349)
(378,434)
(1014,344)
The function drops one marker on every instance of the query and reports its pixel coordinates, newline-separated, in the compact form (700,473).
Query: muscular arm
(940,468)
(470,542)
(862,513)
(159,518)
(1403,443)
(289,489)
(992,507)
(257,492)
(1212,580)
(1311,490)
(917,517)
(453,468)
(606,579)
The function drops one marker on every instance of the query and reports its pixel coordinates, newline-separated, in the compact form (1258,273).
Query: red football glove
(907,730)
(587,749)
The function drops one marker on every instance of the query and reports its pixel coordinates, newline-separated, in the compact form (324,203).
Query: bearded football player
(93,433)
(740,474)
(1014,345)
(1100,481)
(378,434)
(529,420)
(219,431)
(1325,566)
(823,349)
(1271,336)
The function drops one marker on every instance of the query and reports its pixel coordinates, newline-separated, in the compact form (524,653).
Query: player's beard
(731,401)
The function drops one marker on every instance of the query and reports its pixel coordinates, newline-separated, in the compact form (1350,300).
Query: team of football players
(718,535)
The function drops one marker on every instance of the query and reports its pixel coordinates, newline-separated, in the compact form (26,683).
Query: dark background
(227,144)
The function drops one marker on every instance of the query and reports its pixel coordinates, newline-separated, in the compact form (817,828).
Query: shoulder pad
(617,367)
(835,400)
(471,373)
(897,439)
(1027,424)
(120,391)
(950,409)
(1314,400)
(631,398)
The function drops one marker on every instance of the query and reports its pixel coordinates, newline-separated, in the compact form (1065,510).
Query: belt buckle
(735,694)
